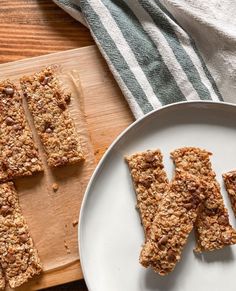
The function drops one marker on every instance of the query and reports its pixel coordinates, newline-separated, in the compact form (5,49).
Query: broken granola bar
(19,154)
(173,223)
(150,182)
(48,105)
(19,258)
(213,229)
(230,184)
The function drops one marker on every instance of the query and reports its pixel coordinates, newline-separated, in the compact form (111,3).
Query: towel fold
(165,51)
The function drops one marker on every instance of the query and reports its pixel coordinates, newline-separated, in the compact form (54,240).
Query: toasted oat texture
(172,224)
(230,184)
(48,105)
(150,182)
(213,229)
(19,154)
(19,258)
(2,280)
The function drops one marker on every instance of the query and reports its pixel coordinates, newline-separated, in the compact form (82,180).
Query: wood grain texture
(31,28)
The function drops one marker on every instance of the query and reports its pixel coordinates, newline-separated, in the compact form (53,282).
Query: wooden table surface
(31,28)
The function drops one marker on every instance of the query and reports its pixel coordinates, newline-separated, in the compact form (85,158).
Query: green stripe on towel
(146,53)
(115,57)
(183,58)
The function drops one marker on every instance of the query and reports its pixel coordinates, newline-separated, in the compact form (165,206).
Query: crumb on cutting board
(74,223)
(66,247)
(55,187)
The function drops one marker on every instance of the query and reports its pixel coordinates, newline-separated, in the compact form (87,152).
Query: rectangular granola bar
(213,229)
(19,258)
(2,280)
(48,105)
(230,184)
(150,182)
(173,223)
(19,154)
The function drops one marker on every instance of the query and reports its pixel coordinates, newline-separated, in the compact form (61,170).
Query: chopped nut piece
(24,237)
(230,184)
(19,258)
(47,104)
(171,256)
(10,258)
(172,223)
(55,187)
(9,121)
(61,105)
(48,130)
(210,227)
(150,182)
(45,80)
(8,91)
(16,141)
(4,210)
(163,240)
(67,98)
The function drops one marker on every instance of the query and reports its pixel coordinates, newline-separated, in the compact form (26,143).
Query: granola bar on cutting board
(213,229)
(18,257)
(19,154)
(48,105)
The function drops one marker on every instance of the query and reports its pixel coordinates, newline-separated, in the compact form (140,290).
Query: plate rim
(107,152)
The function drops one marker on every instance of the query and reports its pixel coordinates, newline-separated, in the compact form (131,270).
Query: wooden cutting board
(106,114)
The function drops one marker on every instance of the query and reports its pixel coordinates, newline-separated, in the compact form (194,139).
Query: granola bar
(173,223)
(19,155)
(19,258)
(48,104)
(150,182)
(2,280)
(213,229)
(230,184)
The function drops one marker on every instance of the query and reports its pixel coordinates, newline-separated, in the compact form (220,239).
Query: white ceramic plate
(110,233)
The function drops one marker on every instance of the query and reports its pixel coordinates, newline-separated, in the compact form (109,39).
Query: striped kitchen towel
(164,51)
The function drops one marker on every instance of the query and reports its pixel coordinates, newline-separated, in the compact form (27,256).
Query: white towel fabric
(212,25)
